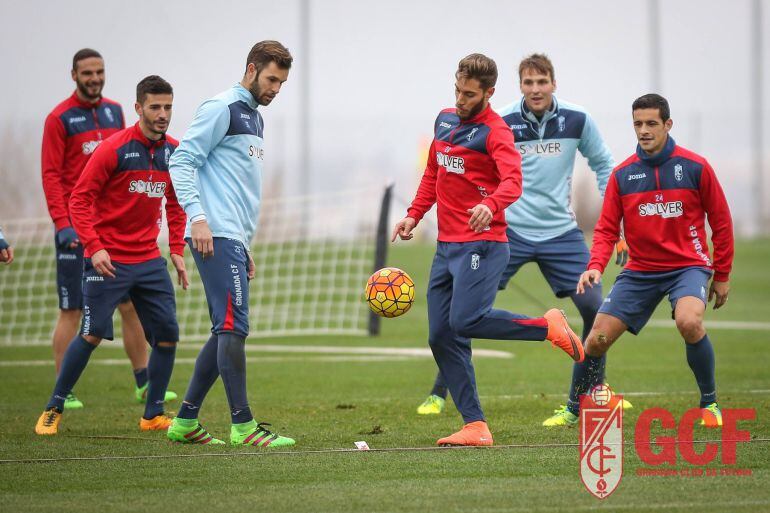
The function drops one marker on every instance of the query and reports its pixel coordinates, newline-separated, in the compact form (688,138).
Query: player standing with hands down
(217,173)
(116,210)
(73,131)
(473,174)
(663,194)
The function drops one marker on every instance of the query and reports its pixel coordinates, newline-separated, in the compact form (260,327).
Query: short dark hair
(85,53)
(480,67)
(538,62)
(653,101)
(265,52)
(152,85)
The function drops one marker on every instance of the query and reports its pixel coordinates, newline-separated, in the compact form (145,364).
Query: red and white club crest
(601,441)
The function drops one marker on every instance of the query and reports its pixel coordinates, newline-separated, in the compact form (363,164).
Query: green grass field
(329,401)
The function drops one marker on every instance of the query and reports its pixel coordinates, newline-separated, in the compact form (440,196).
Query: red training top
(469,162)
(72,132)
(663,201)
(117,202)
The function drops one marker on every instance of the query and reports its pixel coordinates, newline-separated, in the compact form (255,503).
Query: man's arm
(177,220)
(502,148)
(52,161)
(87,189)
(715,205)
(208,128)
(593,148)
(426,192)
(607,230)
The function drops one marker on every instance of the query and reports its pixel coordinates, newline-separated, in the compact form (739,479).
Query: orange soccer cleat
(472,434)
(562,336)
(158,423)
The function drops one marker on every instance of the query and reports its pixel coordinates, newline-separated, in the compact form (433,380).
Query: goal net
(312,254)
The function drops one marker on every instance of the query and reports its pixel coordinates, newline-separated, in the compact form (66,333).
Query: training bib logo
(151,189)
(450,163)
(668,209)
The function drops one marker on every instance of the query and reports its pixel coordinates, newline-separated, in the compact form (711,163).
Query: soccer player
(116,208)
(72,132)
(217,174)
(662,194)
(473,174)
(6,250)
(541,224)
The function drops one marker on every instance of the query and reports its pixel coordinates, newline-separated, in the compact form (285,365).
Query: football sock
(140,376)
(588,304)
(204,375)
(439,386)
(159,373)
(75,360)
(700,356)
(231,359)
(585,376)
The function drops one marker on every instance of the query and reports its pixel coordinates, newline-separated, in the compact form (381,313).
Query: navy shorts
(635,294)
(149,287)
(561,259)
(225,280)
(69,277)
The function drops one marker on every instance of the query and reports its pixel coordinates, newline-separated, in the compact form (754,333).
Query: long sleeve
(177,220)
(208,128)
(52,160)
(607,230)
(87,189)
(715,205)
(426,192)
(593,148)
(501,147)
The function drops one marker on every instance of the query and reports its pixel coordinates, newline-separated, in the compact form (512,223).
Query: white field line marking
(627,394)
(717,325)
(627,444)
(262,359)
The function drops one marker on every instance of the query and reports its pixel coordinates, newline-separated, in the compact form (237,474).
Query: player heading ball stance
(116,210)
(473,173)
(217,172)
(663,194)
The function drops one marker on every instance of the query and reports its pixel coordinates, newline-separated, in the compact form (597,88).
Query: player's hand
(720,289)
(481,216)
(102,263)
(404,229)
(66,238)
(252,267)
(202,239)
(621,252)
(6,254)
(181,270)
(588,278)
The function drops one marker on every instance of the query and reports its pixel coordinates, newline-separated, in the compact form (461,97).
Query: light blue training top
(548,147)
(217,168)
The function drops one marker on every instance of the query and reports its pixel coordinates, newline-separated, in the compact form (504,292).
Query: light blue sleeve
(593,148)
(207,130)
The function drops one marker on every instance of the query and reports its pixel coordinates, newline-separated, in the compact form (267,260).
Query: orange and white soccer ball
(390,292)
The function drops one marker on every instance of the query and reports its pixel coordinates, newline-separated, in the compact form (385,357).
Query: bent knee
(691,328)
(94,341)
(598,343)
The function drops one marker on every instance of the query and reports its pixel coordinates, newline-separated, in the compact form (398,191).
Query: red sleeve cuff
(177,249)
(61,223)
(492,204)
(721,276)
(596,266)
(414,214)
(94,246)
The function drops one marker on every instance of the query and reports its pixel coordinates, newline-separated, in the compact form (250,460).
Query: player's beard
(257,93)
(84,90)
(475,111)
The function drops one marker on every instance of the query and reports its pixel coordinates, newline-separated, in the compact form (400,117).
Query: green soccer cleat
(141,394)
(561,417)
(190,431)
(72,402)
(433,405)
(251,433)
(711,416)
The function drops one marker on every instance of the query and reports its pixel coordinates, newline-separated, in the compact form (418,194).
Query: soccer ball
(389,292)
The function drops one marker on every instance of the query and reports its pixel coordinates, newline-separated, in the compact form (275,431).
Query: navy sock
(585,376)
(75,360)
(439,386)
(204,375)
(700,356)
(231,359)
(141,377)
(159,374)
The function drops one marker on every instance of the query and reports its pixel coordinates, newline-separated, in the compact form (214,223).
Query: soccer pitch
(328,392)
